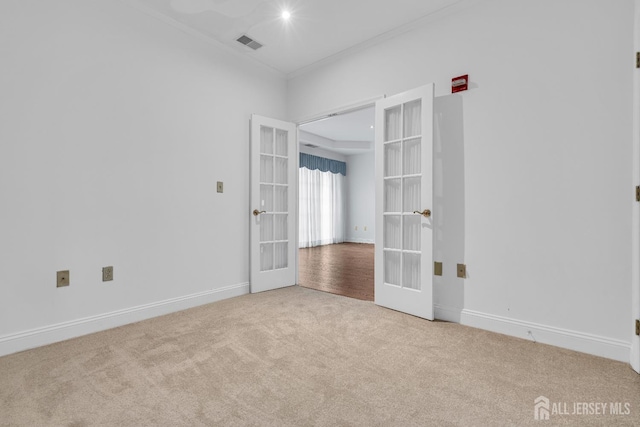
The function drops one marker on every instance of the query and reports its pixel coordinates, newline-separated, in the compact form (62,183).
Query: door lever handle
(425,213)
(256,212)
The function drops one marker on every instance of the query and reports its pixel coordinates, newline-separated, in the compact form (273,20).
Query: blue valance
(312,162)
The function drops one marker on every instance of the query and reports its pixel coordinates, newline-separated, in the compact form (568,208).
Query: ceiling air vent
(248,41)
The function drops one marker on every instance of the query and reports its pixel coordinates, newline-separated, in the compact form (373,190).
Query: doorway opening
(336,193)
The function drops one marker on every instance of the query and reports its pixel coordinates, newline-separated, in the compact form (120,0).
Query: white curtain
(321,208)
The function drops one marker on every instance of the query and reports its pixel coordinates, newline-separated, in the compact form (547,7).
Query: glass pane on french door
(401,195)
(274,192)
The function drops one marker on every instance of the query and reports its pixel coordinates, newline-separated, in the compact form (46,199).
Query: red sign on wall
(460,83)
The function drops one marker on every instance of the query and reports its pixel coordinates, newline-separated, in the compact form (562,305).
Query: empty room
(150,155)
(336,199)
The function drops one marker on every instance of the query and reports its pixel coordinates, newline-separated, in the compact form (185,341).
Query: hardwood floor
(343,269)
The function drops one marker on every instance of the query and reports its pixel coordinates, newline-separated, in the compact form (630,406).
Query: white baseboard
(448,314)
(368,241)
(564,338)
(63,331)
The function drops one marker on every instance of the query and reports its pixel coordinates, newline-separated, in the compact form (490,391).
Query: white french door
(404,193)
(273,204)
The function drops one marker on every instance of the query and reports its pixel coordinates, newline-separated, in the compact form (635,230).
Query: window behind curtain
(321,201)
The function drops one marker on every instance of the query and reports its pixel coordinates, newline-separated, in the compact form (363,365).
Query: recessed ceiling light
(286,15)
(371,126)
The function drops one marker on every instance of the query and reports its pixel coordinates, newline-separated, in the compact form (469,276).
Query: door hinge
(637,193)
(637,326)
(637,59)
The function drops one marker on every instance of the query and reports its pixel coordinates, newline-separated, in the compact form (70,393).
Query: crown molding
(388,35)
(134,4)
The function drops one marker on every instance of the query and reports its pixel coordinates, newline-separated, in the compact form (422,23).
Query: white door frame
(635,209)
(365,103)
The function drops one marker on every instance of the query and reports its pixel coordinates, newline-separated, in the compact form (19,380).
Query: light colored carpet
(299,357)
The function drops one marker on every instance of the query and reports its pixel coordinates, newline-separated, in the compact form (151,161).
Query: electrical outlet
(62,278)
(437,268)
(220,187)
(107,274)
(356,228)
(365,228)
(462,271)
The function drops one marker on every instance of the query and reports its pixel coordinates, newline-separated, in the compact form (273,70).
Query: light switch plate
(62,278)
(220,187)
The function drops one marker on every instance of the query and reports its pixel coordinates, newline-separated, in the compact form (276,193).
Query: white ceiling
(354,126)
(347,134)
(318,29)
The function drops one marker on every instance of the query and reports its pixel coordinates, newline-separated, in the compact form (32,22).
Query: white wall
(361,198)
(635,227)
(448,205)
(115,129)
(547,156)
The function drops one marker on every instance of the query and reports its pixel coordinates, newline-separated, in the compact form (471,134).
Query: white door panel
(273,203)
(404,194)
